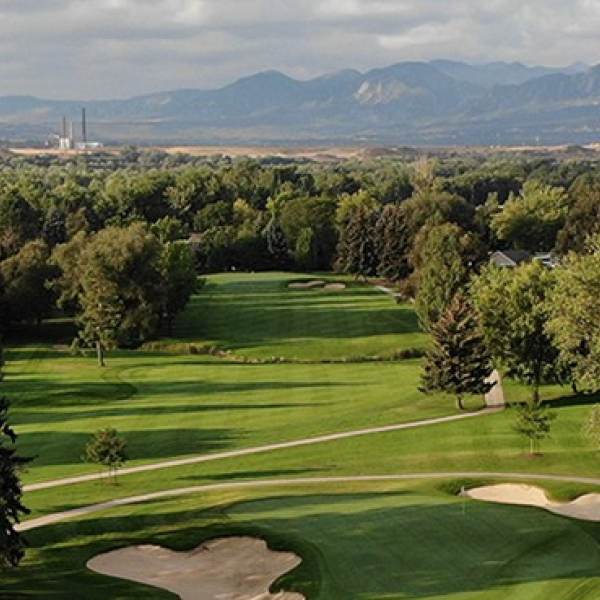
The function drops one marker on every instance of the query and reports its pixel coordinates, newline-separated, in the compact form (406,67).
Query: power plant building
(66,141)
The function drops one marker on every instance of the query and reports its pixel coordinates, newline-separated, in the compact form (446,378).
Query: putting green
(358,542)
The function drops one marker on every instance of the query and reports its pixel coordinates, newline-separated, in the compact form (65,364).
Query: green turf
(173,406)
(169,405)
(358,542)
(258,315)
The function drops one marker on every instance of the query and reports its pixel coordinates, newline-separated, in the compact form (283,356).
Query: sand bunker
(306,284)
(585,507)
(335,286)
(238,568)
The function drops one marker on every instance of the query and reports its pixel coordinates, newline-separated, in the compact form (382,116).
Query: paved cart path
(165,494)
(258,449)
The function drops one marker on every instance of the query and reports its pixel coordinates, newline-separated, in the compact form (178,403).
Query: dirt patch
(306,284)
(61,347)
(237,568)
(335,287)
(585,507)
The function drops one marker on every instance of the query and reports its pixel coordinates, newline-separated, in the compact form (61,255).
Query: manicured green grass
(483,444)
(173,406)
(367,542)
(258,315)
(358,542)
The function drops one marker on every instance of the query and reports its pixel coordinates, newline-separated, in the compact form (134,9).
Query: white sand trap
(307,284)
(585,507)
(238,568)
(335,286)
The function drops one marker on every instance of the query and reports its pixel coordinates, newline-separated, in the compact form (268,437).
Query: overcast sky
(85,49)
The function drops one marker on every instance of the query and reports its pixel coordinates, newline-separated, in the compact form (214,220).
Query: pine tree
(11,544)
(533,422)
(359,243)
(106,449)
(459,362)
(276,242)
(394,245)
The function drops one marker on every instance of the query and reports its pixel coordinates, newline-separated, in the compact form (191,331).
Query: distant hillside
(441,102)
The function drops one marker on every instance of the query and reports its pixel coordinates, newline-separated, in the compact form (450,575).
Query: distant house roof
(513,258)
(510,258)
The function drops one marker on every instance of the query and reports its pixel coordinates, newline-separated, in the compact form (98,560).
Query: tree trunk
(100,353)
(459,403)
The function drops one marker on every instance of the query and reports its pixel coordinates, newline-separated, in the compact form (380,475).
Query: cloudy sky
(85,49)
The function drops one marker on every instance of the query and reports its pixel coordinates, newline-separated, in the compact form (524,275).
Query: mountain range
(436,103)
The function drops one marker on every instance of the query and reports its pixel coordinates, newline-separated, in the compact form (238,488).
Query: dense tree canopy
(513,309)
(533,219)
(574,308)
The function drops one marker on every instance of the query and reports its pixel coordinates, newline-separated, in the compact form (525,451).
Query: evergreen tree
(106,449)
(359,243)
(394,246)
(533,422)
(459,362)
(11,544)
(276,242)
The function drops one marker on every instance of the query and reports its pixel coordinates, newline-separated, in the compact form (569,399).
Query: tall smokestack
(83,126)
(64,127)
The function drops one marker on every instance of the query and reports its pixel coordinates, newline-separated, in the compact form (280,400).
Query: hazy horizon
(114,49)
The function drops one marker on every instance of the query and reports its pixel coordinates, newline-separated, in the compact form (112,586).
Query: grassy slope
(408,541)
(166,403)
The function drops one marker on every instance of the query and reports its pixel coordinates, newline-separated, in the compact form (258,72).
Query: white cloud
(104,48)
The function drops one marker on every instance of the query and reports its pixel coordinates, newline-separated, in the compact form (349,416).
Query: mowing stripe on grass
(257,449)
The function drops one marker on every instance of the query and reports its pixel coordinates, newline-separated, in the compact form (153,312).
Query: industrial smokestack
(64,127)
(83,126)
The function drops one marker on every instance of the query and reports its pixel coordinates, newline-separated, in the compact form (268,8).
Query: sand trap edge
(585,508)
(201,579)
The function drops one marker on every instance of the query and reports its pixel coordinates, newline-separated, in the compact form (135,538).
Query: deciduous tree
(513,311)
(575,314)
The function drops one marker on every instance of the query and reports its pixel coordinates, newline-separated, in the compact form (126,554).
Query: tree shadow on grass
(575,400)
(54,448)
(354,546)
(253,475)
(43,393)
(33,417)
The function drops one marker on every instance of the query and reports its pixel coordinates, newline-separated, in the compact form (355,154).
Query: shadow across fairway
(354,547)
(33,417)
(264,474)
(55,448)
(575,400)
(42,393)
